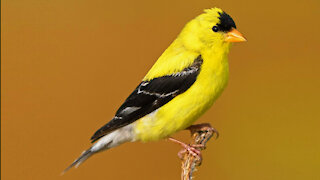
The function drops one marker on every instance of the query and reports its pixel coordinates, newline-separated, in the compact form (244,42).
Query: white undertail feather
(115,138)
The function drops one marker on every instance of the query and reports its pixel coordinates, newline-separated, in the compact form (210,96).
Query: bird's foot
(205,127)
(193,149)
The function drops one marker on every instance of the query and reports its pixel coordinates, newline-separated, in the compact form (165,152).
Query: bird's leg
(192,149)
(195,149)
(205,127)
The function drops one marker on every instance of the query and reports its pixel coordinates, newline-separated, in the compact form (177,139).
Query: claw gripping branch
(200,133)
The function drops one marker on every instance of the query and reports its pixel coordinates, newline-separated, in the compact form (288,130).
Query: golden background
(67,65)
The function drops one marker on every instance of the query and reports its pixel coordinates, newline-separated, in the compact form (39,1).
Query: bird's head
(212,28)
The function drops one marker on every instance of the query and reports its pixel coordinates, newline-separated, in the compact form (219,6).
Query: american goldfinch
(184,82)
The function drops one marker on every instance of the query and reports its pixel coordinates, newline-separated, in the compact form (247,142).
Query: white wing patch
(129,110)
(156,94)
(183,73)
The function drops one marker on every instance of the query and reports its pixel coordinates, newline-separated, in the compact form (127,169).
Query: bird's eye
(215,28)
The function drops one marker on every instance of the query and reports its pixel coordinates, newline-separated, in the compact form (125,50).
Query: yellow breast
(184,109)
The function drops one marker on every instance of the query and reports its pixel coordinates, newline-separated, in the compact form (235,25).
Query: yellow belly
(184,109)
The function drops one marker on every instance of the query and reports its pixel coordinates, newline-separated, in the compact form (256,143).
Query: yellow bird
(184,82)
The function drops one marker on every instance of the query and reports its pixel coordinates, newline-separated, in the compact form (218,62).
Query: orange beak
(234,36)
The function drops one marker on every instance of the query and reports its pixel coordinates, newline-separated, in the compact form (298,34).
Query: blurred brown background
(68,65)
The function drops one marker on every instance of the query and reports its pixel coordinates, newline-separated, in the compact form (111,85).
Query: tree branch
(200,133)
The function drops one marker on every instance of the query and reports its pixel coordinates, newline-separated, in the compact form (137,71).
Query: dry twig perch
(200,133)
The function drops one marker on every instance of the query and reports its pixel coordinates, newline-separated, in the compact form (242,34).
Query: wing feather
(151,95)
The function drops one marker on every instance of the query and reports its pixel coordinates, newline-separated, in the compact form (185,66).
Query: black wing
(151,95)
